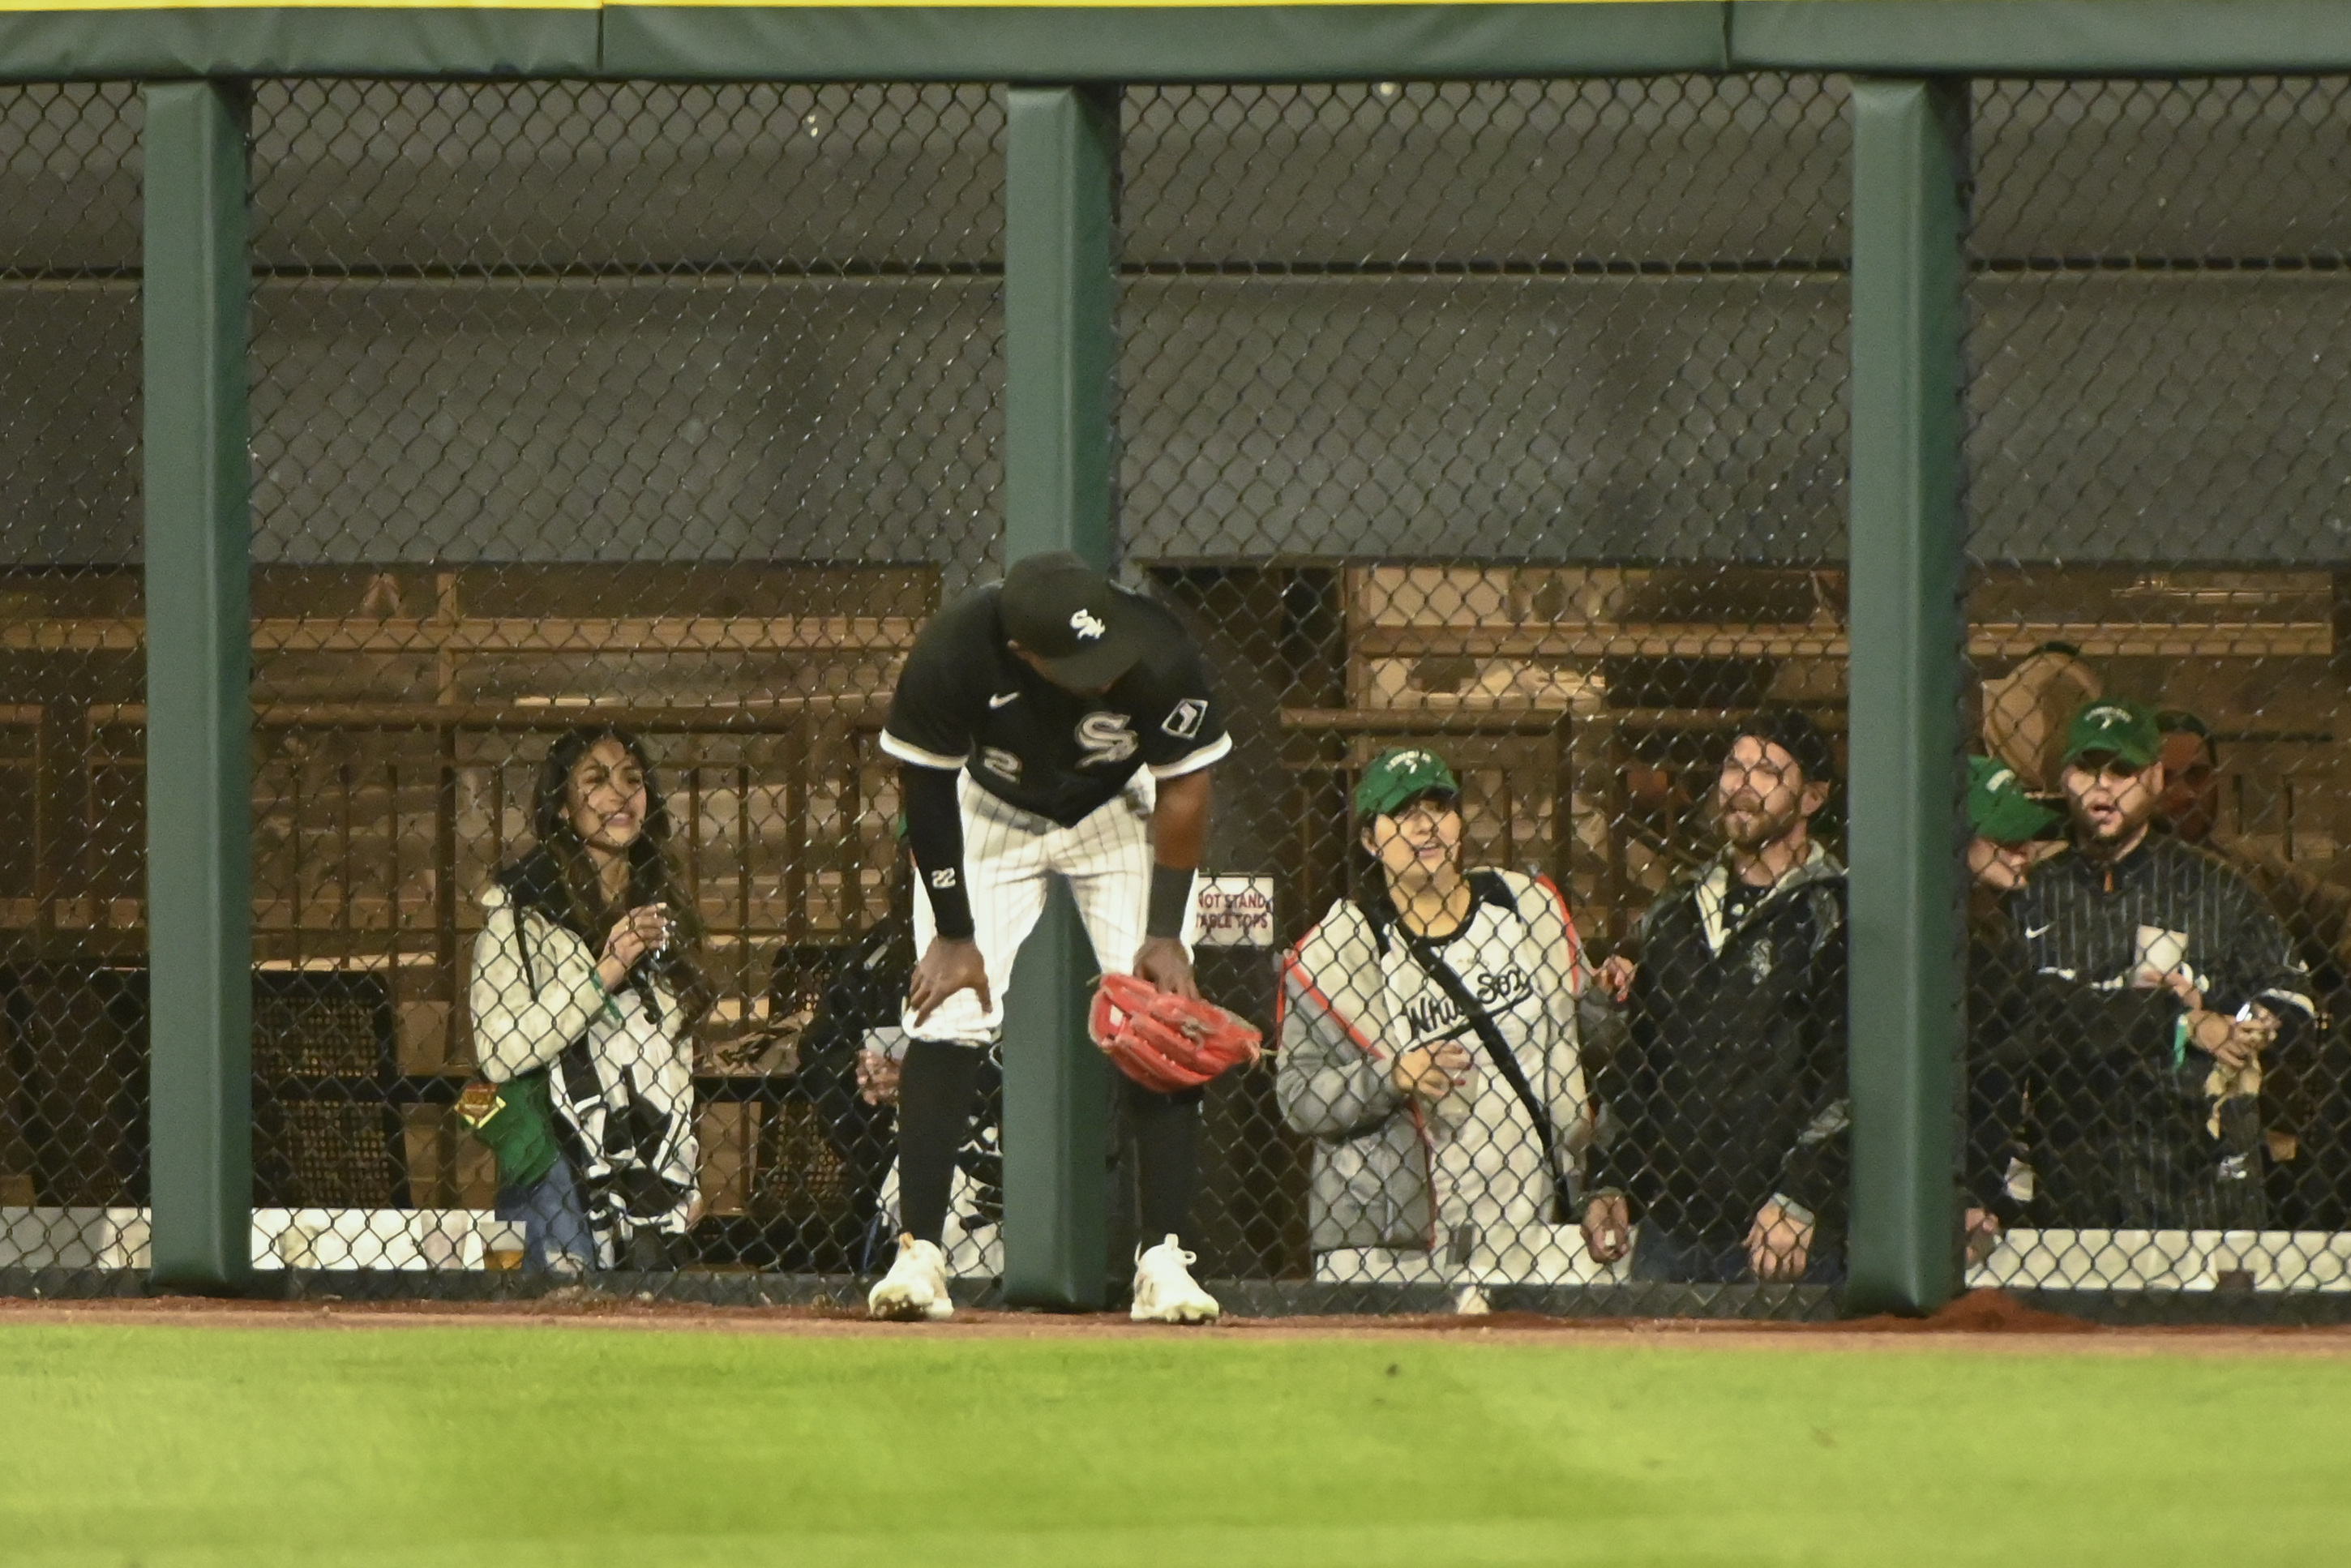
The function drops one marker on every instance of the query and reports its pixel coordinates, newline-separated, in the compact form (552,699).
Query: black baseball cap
(1068,614)
(1794,733)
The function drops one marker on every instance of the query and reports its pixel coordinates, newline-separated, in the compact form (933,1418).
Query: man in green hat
(2113,775)
(2008,826)
(2006,823)
(2160,978)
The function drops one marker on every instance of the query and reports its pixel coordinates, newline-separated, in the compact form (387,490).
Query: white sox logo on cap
(1088,625)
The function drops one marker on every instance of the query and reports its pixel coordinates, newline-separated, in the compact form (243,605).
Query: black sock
(1166,1158)
(936,1091)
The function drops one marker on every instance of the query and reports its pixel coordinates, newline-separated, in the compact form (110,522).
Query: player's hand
(1161,961)
(635,935)
(1616,973)
(1983,1233)
(1779,1245)
(949,965)
(877,1079)
(1607,1228)
(1431,1071)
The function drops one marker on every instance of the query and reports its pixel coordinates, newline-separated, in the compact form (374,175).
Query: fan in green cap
(2004,821)
(1402,774)
(2113,726)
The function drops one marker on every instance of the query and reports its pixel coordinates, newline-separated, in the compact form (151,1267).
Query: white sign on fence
(1236,910)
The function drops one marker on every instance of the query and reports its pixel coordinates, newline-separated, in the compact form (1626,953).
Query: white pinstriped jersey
(965,701)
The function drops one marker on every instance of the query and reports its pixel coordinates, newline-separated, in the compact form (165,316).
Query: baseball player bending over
(1048,723)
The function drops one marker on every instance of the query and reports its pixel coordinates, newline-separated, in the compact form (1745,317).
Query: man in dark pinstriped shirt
(2178,980)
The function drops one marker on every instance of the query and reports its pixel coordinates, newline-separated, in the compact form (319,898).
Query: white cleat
(916,1288)
(1165,1290)
(1471,1301)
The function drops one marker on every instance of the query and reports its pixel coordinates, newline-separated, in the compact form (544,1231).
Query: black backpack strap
(522,948)
(1506,1062)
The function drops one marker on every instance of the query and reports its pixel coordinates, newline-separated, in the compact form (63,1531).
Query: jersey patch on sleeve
(944,877)
(1184,719)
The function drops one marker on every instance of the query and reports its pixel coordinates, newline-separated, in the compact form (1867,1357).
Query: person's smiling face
(608,796)
(1419,839)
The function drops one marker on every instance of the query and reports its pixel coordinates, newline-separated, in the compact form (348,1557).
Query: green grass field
(517,1446)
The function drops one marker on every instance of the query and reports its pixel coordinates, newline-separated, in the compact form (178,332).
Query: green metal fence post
(199,719)
(1060,292)
(1909,160)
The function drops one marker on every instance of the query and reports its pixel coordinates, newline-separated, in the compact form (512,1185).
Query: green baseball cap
(2125,730)
(1396,776)
(1998,807)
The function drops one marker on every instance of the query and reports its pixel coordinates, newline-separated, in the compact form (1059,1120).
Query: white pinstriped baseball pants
(1008,856)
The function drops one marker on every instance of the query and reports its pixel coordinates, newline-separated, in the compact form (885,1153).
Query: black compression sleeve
(1171,900)
(935,832)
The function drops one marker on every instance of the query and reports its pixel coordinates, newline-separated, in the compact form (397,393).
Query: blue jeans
(556,1235)
(1663,1257)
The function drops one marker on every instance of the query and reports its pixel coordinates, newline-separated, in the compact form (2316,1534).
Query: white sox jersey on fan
(1052,781)
(1462,1182)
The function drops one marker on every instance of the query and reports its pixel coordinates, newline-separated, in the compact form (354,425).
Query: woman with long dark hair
(586,990)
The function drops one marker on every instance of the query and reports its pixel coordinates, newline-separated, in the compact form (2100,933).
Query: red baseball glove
(1167,1042)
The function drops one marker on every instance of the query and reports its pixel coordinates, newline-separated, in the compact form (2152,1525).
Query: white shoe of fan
(1165,1290)
(915,1287)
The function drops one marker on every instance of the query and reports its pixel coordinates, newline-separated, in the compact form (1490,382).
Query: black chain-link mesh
(1499,425)
(1495,430)
(647,425)
(73,941)
(2158,321)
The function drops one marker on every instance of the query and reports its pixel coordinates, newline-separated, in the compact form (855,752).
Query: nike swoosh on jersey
(1000,698)
(2033,931)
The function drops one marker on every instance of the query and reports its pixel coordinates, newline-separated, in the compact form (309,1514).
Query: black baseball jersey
(2080,919)
(966,700)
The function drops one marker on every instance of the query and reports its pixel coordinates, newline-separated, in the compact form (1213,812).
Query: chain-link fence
(1498,426)
(616,430)
(2159,313)
(73,995)
(1487,442)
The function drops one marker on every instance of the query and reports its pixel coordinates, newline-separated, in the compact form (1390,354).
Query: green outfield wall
(1179,43)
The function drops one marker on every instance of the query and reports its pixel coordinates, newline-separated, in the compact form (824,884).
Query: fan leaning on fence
(1429,1047)
(585,994)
